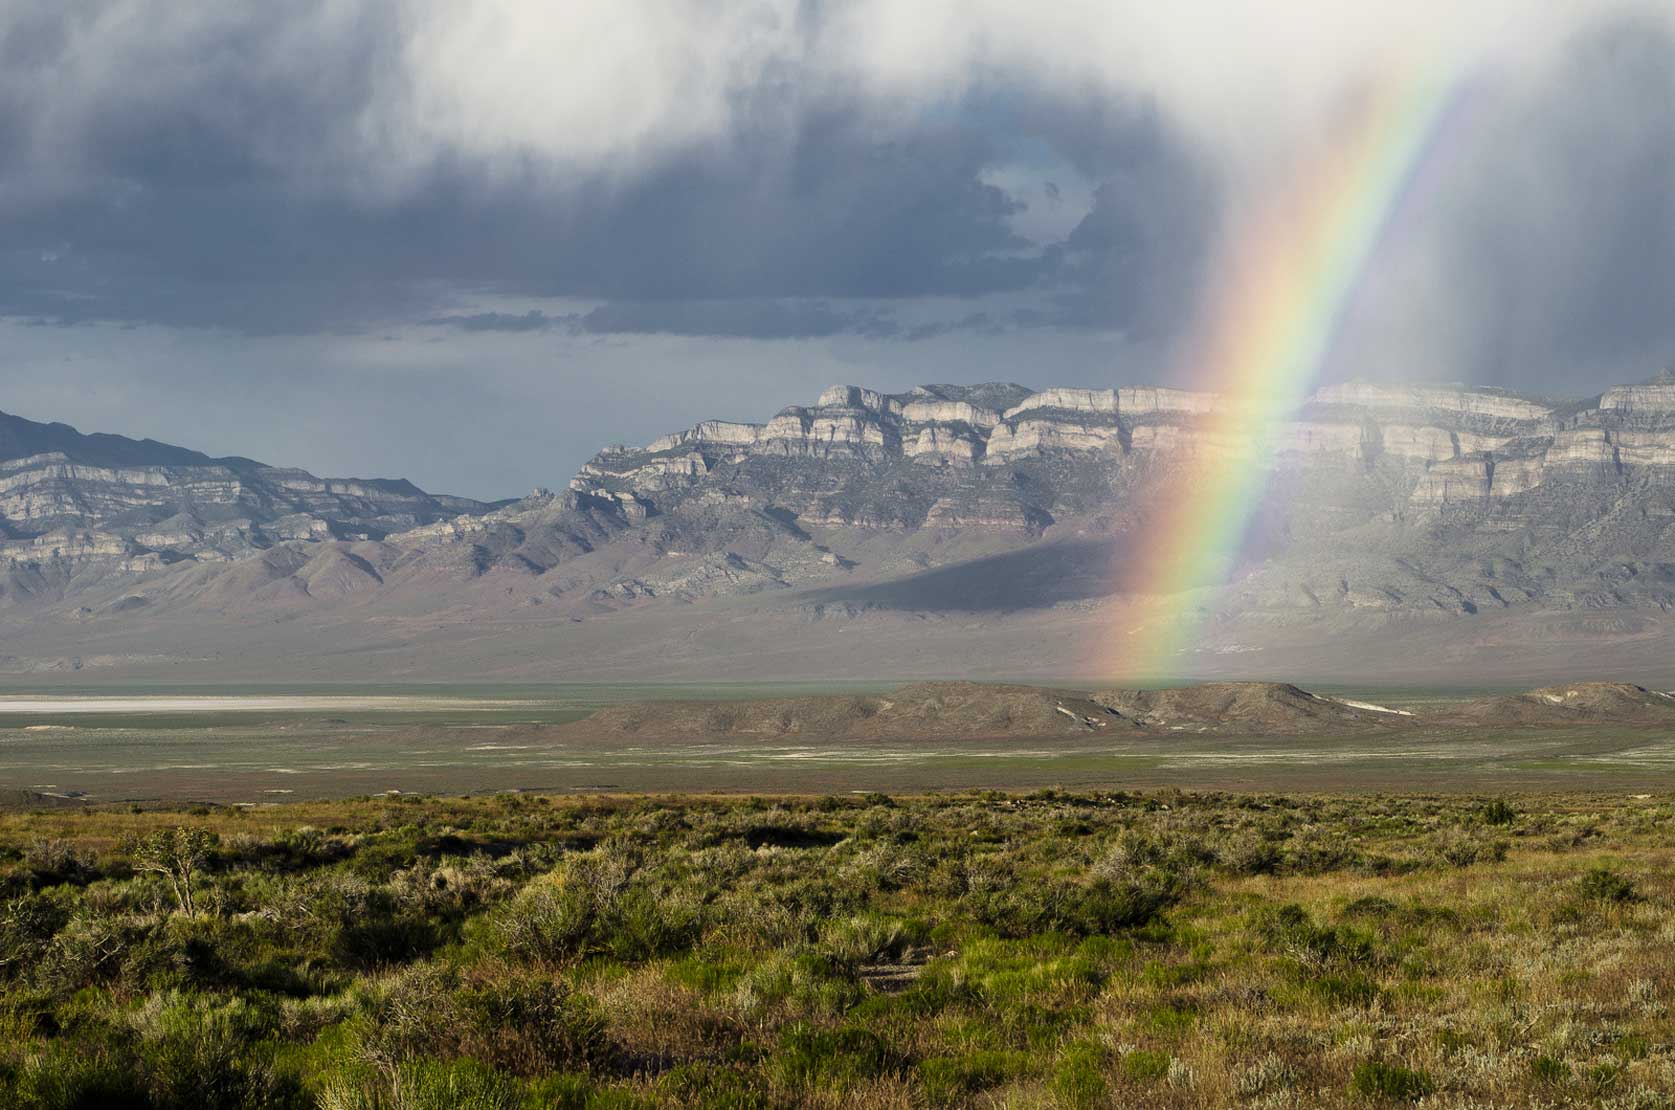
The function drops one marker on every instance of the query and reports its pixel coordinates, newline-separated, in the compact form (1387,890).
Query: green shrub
(1632,1046)
(1250,854)
(519,1023)
(1079,1075)
(1293,933)
(1099,907)
(710,1087)
(1376,1079)
(839,1057)
(1343,989)
(1145,1065)
(382,940)
(66,1076)
(936,989)
(529,1025)
(1603,1077)
(27,926)
(1316,853)
(561,1092)
(1162,976)
(52,862)
(595,907)
(1462,849)
(886,867)
(1546,1069)
(546,923)
(950,1078)
(196,1052)
(1453,1040)
(1171,1020)
(1602,884)
(644,924)
(868,938)
(804,981)
(705,972)
(1497,812)
(1107,907)
(455,1085)
(92,949)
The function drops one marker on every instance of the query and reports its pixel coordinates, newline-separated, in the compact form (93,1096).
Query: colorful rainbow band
(1270,327)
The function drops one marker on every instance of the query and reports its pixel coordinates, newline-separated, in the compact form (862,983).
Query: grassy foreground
(1053,949)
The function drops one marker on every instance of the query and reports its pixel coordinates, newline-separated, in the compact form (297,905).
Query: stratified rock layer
(130,507)
(1462,446)
(1385,509)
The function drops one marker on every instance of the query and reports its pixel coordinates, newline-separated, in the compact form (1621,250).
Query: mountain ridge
(69,501)
(957,523)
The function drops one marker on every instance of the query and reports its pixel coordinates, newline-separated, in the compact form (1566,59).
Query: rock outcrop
(1458,446)
(68,501)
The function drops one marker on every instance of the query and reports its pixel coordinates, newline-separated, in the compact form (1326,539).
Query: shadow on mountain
(1034,578)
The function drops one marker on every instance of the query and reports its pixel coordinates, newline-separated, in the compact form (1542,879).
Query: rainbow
(1269,328)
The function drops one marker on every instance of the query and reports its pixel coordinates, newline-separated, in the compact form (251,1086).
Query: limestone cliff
(1457,445)
(70,501)
(1387,507)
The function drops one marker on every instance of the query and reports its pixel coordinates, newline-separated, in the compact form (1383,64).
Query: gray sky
(469,242)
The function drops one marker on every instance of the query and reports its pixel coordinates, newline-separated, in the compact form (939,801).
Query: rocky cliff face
(78,505)
(1416,501)
(1458,446)
(1388,507)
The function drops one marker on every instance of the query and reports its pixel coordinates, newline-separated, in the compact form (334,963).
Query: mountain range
(1417,533)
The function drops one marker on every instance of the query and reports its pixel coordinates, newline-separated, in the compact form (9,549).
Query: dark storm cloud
(1572,240)
(218,197)
(1135,261)
(259,170)
(1544,258)
(839,217)
(744,319)
(754,319)
(533,320)
(976,323)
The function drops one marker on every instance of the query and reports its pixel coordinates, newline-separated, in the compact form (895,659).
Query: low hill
(951,711)
(1574,704)
(1250,707)
(16,799)
(973,710)
(928,710)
